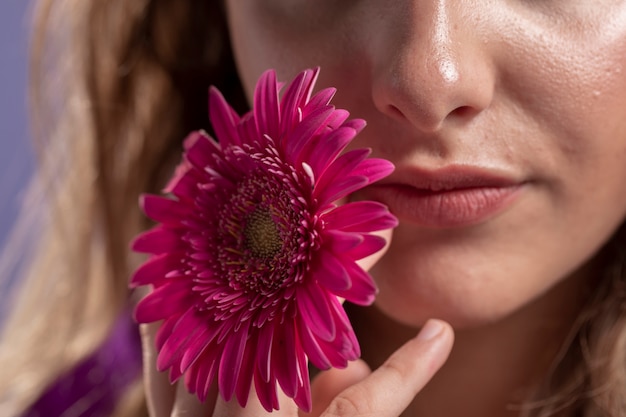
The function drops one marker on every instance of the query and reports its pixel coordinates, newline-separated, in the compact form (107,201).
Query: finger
(328,384)
(389,390)
(369,261)
(160,393)
(188,405)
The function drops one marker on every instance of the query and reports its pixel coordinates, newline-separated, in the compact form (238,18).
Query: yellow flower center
(261,235)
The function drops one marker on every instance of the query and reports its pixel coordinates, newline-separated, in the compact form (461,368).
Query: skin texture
(532,91)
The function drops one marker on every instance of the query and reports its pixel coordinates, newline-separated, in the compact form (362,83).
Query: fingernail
(431,329)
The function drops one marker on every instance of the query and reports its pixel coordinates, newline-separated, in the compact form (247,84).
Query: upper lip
(450,177)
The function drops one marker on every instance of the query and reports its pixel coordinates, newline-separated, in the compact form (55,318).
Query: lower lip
(445,209)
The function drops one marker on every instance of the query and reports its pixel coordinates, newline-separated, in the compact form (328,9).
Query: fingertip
(434,328)
(328,384)
(435,341)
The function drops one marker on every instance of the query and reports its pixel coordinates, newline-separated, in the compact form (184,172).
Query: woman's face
(506,121)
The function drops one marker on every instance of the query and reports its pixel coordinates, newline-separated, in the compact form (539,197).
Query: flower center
(261,234)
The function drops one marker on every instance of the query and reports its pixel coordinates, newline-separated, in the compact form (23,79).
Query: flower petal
(370,245)
(360,216)
(320,99)
(311,346)
(157,240)
(341,188)
(284,360)
(338,241)
(374,169)
(363,289)
(205,372)
(313,306)
(329,272)
(263,353)
(304,132)
(230,363)
(266,106)
(246,374)
(203,153)
(162,209)
(163,302)
(155,268)
(341,167)
(172,349)
(223,119)
(303,396)
(327,149)
(266,392)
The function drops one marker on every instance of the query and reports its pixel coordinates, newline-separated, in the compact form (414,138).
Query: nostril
(395,112)
(463,112)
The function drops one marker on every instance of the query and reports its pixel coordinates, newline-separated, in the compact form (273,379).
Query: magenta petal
(196,347)
(230,364)
(303,396)
(360,216)
(295,98)
(172,350)
(246,374)
(328,270)
(303,132)
(266,392)
(157,240)
(185,187)
(266,107)
(356,124)
(338,241)
(165,331)
(342,166)
(337,120)
(383,221)
(206,371)
(311,346)
(290,105)
(155,268)
(374,169)
(341,188)
(223,118)
(370,245)
(328,149)
(203,153)
(284,358)
(363,290)
(263,354)
(163,302)
(163,209)
(312,304)
(320,99)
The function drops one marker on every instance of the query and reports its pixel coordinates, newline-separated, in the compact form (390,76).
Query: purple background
(16,160)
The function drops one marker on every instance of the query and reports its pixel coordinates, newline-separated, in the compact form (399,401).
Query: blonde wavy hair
(116,85)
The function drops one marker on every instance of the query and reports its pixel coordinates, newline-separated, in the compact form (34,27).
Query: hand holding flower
(252,253)
(353,391)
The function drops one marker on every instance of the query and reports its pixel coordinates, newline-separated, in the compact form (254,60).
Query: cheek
(261,41)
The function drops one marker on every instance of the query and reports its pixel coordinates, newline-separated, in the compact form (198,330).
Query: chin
(463,314)
(462,299)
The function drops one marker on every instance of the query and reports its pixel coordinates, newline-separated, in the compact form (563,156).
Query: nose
(432,70)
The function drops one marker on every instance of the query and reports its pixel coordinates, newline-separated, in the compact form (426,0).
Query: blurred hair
(115,87)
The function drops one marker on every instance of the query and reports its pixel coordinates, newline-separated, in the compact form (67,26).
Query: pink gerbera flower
(251,251)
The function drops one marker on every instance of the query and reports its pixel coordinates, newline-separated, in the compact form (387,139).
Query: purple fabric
(94,386)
